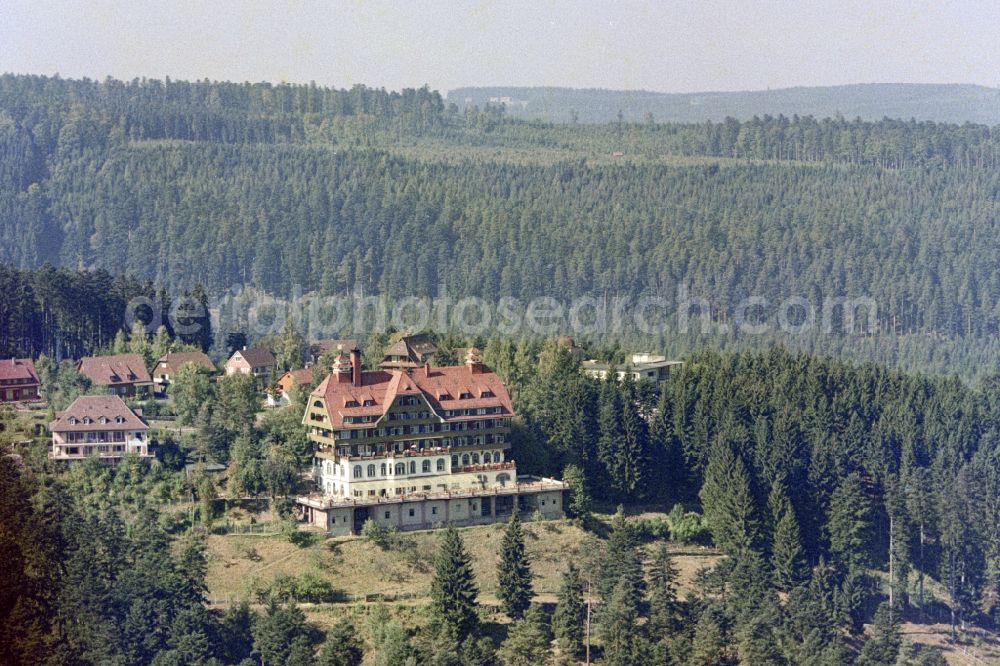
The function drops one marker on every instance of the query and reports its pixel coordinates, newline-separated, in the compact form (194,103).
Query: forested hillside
(950,103)
(279,187)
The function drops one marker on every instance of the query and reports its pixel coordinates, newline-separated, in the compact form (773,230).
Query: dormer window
(86,420)
(486,393)
(465,396)
(102,420)
(369,403)
(444,396)
(119,419)
(351,403)
(72,420)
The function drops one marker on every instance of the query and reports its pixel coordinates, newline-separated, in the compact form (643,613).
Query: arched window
(487,458)
(357,471)
(383,469)
(400,468)
(454,461)
(413,467)
(440,464)
(465,458)
(425,466)
(318,404)
(371,470)
(503,479)
(475,458)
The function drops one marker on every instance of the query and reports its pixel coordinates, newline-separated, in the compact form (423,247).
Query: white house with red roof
(414,449)
(18,380)
(98,425)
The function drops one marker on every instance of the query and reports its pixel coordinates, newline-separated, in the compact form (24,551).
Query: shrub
(687,527)
(380,535)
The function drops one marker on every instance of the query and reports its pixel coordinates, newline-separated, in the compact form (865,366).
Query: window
(413,467)
(434,510)
(503,479)
(387,515)
(411,513)
(425,466)
(400,468)
(383,469)
(454,461)
(369,403)
(475,458)
(371,470)
(487,458)
(465,458)
(440,464)
(318,404)
(357,471)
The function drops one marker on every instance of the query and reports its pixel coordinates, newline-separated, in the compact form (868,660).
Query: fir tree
(453,589)
(571,613)
(883,646)
(619,630)
(527,642)
(342,647)
(514,571)
(787,557)
(664,607)
(729,508)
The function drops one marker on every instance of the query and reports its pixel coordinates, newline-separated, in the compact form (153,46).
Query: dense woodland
(953,103)
(842,495)
(294,186)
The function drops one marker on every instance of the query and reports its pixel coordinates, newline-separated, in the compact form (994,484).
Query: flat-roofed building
(652,367)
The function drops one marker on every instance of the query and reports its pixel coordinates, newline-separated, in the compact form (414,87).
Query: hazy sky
(666,46)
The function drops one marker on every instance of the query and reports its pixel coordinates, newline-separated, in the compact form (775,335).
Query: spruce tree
(514,571)
(708,647)
(729,508)
(664,607)
(342,647)
(453,589)
(619,628)
(883,646)
(787,556)
(527,641)
(848,524)
(571,613)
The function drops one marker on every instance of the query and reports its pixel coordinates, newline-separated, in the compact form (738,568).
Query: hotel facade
(415,449)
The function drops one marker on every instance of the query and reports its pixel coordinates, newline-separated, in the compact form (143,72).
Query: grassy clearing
(359,568)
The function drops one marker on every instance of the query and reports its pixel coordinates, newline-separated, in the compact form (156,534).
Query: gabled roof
(94,408)
(257,357)
(114,370)
(175,360)
(321,347)
(20,369)
(300,377)
(441,387)
(413,350)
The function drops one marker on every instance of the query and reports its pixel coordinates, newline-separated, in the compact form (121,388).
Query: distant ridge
(952,103)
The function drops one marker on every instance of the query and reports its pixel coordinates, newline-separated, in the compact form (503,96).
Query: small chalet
(288,381)
(120,374)
(18,380)
(98,425)
(412,351)
(320,347)
(256,361)
(166,368)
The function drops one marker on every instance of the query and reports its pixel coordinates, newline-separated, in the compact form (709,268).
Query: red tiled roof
(114,370)
(175,360)
(21,369)
(383,386)
(95,407)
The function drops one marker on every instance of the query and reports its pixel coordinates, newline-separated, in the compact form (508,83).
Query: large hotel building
(416,448)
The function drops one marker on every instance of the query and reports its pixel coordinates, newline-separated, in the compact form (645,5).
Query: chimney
(427,368)
(356,366)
